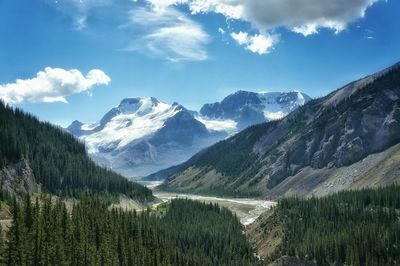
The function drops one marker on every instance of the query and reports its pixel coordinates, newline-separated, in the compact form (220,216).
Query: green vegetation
(353,227)
(235,155)
(59,162)
(325,132)
(185,233)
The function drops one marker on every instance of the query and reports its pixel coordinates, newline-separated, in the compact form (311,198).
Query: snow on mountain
(249,108)
(136,119)
(227,125)
(141,136)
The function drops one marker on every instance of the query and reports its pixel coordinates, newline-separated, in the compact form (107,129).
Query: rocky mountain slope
(266,233)
(143,135)
(329,144)
(18,179)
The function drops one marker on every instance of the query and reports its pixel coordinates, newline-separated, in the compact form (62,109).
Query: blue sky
(90,54)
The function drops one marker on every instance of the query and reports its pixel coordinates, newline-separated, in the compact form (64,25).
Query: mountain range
(347,139)
(141,136)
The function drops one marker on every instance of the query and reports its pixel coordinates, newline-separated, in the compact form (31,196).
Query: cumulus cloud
(169,34)
(52,85)
(258,43)
(173,35)
(302,16)
(305,17)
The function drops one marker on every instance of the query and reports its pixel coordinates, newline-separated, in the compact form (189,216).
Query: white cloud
(160,5)
(258,43)
(307,29)
(241,38)
(169,34)
(52,85)
(302,16)
(231,9)
(305,17)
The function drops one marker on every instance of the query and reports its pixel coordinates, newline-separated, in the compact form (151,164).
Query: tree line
(59,162)
(185,233)
(351,227)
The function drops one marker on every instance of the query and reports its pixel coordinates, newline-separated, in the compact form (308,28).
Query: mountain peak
(76,123)
(142,135)
(319,149)
(75,128)
(243,92)
(248,108)
(179,107)
(136,100)
(133,105)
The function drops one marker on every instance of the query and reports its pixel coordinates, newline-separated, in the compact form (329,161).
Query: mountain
(348,139)
(250,108)
(143,135)
(37,155)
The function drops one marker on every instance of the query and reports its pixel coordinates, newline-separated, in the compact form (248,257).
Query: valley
(292,191)
(247,209)
(199,133)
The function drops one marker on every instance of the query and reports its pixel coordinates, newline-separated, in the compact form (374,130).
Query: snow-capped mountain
(249,108)
(143,135)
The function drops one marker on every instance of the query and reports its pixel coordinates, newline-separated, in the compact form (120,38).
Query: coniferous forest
(185,233)
(347,228)
(59,162)
(350,227)
(44,231)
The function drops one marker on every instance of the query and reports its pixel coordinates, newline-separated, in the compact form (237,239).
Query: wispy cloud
(52,85)
(369,34)
(305,17)
(169,34)
(79,10)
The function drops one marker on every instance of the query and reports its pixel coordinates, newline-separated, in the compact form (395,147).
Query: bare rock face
(18,179)
(329,133)
(339,135)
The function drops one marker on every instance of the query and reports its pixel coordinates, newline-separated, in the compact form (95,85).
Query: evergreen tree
(187,233)
(350,227)
(59,162)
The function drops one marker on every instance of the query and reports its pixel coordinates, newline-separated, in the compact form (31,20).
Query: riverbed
(247,209)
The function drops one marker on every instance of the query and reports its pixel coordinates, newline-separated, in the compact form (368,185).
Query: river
(247,209)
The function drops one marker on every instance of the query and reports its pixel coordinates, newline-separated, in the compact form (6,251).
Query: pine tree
(16,241)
